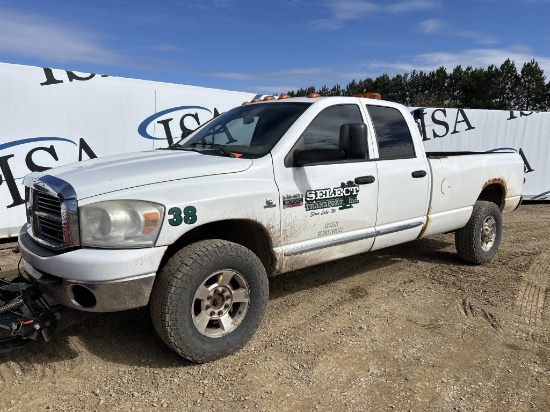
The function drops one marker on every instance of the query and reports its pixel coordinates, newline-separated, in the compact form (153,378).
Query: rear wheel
(209,299)
(478,241)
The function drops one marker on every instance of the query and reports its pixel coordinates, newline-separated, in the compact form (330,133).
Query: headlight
(120,223)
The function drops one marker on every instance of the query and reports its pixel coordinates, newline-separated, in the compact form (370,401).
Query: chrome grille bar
(52,212)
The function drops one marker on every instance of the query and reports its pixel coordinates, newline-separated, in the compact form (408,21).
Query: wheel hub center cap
(220,298)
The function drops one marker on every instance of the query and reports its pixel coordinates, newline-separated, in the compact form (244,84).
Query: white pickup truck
(194,230)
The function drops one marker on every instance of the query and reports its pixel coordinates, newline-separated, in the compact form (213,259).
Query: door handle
(418,173)
(364,180)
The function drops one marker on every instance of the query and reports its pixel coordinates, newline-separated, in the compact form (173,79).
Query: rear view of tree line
(498,88)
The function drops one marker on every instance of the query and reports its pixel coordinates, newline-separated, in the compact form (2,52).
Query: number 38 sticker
(187,216)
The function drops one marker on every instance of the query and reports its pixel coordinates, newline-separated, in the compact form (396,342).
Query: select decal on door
(343,197)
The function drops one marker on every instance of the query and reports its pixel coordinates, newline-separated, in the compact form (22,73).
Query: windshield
(249,131)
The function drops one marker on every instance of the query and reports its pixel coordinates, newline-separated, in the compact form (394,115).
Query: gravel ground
(406,328)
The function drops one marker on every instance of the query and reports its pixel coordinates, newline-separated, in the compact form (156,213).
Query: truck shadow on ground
(129,337)
(424,250)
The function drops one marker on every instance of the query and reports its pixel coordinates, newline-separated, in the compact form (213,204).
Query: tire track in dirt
(532,319)
(471,310)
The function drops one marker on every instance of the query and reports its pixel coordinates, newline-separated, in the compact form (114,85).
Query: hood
(109,174)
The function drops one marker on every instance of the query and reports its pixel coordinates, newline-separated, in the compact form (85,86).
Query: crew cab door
(404,177)
(328,204)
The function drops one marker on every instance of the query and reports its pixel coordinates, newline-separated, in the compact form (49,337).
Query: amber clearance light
(370,95)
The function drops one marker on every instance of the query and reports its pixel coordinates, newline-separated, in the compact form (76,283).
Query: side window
(324,131)
(392,132)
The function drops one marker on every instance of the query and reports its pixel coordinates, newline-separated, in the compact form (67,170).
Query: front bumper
(92,280)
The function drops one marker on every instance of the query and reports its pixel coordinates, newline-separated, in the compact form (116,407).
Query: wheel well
(493,193)
(247,233)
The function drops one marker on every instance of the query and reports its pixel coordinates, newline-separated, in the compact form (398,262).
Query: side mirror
(353,140)
(307,156)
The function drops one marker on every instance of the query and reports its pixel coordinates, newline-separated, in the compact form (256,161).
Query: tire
(209,299)
(478,241)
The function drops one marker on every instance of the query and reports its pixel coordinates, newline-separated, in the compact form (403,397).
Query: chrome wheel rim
(488,233)
(220,303)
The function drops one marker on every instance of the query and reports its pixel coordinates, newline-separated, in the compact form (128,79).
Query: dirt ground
(406,328)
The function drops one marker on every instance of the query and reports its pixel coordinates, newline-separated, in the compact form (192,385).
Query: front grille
(48,220)
(52,218)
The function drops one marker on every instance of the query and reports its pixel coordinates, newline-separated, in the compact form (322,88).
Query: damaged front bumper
(92,280)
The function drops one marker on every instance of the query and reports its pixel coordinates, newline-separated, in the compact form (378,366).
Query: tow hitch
(24,314)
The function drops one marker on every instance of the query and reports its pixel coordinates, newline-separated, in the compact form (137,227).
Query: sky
(275,46)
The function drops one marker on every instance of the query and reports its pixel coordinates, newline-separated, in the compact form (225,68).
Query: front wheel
(478,241)
(209,299)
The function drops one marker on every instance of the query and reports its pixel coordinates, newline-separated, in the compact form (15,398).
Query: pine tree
(532,88)
(507,83)
(499,88)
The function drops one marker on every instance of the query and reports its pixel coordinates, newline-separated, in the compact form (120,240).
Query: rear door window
(392,133)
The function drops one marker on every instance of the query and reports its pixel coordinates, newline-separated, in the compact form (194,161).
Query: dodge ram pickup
(194,230)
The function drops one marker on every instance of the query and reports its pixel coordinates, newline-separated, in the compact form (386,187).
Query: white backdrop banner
(452,130)
(52,117)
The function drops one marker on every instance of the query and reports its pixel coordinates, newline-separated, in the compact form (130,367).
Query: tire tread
(466,241)
(173,281)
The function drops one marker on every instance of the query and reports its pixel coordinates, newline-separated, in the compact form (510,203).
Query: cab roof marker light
(313,95)
(370,95)
(283,96)
(266,98)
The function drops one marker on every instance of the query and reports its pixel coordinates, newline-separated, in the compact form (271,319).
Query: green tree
(472,88)
(399,89)
(324,91)
(507,83)
(437,87)
(382,85)
(352,88)
(532,89)
(336,91)
(302,92)
(367,85)
(495,87)
(454,85)
(420,90)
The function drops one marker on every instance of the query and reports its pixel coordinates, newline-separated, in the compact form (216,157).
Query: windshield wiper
(177,146)
(216,145)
